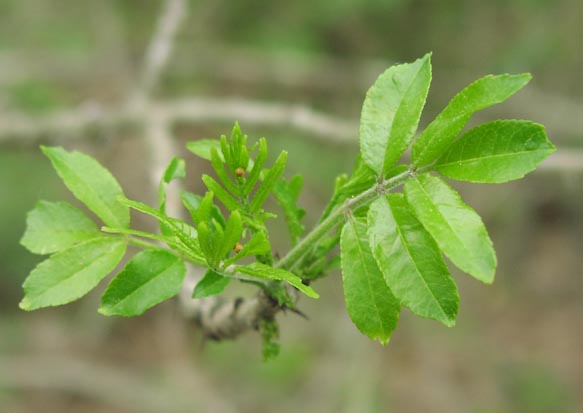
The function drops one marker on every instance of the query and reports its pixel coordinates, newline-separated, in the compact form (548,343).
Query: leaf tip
(26,305)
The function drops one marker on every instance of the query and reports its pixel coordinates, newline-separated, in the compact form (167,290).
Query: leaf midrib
(101,201)
(80,269)
(136,290)
(489,157)
(406,245)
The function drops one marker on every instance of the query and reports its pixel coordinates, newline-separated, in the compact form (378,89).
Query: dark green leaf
(391,112)
(72,273)
(211,284)
(457,228)
(496,152)
(484,92)
(55,226)
(149,278)
(411,261)
(91,183)
(370,303)
(269,273)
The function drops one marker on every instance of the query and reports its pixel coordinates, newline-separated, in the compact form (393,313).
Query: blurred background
(115,78)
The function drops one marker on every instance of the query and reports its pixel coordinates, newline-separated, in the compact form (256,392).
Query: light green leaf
(55,226)
(391,112)
(370,303)
(286,195)
(269,273)
(211,284)
(202,148)
(457,228)
(72,273)
(269,182)
(150,277)
(484,92)
(91,183)
(411,261)
(496,152)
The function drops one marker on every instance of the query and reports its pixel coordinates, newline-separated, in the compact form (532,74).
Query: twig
(160,49)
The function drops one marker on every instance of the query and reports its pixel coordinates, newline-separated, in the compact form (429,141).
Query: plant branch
(295,255)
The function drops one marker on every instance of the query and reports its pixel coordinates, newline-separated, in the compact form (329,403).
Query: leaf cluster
(392,244)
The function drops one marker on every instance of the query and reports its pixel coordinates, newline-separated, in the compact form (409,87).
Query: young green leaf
(232,234)
(192,202)
(211,284)
(202,148)
(176,169)
(149,278)
(391,112)
(269,182)
(219,168)
(484,92)
(496,152)
(286,195)
(257,167)
(269,273)
(411,261)
(185,234)
(257,245)
(91,183)
(222,195)
(72,273)
(370,303)
(457,228)
(211,236)
(55,226)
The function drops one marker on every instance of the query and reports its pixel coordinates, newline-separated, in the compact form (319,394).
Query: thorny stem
(295,255)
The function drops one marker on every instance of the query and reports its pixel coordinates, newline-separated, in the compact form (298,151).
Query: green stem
(295,255)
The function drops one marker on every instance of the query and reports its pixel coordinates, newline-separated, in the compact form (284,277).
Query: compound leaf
(482,93)
(411,261)
(149,278)
(496,152)
(72,273)
(91,183)
(55,226)
(457,228)
(391,112)
(371,305)
(266,272)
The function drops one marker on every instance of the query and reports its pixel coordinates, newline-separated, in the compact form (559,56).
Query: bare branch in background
(160,49)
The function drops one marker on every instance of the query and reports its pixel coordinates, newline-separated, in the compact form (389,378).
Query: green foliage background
(517,342)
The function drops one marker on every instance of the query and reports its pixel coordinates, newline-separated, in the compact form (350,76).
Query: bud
(240,172)
(238,247)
